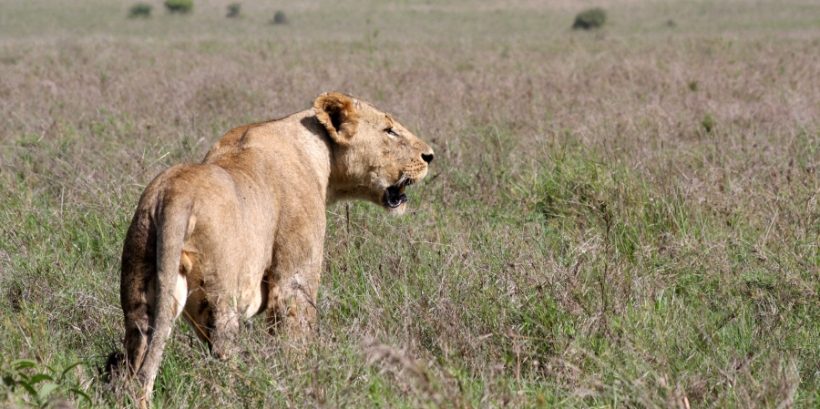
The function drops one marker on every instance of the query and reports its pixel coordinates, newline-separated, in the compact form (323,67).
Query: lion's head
(375,157)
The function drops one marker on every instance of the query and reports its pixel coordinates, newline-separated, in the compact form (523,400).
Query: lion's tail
(173,220)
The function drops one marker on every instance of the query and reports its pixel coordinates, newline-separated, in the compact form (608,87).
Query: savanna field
(620,217)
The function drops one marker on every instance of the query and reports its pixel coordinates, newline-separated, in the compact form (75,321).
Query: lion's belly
(242,288)
(231,272)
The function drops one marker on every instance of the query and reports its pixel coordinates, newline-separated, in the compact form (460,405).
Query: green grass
(596,231)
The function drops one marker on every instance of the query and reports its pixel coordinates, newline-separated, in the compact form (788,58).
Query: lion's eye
(391,132)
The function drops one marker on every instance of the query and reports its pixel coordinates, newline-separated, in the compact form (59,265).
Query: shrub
(708,123)
(179,6)
(233,10)
(140,10)
(279,17)
(590,19)
(693,85)
(41,385)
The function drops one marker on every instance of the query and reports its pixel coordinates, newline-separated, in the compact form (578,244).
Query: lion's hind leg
(197,311)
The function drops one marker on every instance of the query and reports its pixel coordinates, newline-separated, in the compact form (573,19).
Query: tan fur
(242,233)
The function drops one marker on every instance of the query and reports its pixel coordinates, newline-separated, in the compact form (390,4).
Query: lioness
(242,232)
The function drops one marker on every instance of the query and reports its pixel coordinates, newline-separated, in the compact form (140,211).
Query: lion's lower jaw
(397,211)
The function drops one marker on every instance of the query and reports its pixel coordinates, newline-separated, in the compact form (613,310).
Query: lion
(242,232)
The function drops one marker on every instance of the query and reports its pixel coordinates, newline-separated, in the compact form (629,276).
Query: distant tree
(140,10)
(234,10)
(279,17)
(590,19)
(179,6)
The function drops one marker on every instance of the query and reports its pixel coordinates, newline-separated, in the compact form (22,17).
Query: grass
(620,218)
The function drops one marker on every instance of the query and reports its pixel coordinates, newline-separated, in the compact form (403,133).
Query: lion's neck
(317,150)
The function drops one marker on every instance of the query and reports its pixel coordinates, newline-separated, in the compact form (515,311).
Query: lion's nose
(427,157)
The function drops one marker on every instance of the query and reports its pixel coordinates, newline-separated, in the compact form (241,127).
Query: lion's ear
(337,113)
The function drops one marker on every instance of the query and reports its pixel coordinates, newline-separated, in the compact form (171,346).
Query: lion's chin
(398,210)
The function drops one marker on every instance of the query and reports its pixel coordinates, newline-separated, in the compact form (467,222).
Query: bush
(693,86)
(233,10)
(140,10)
(41,385)
(590,19)
(708,123)
(279,17)
(179,6)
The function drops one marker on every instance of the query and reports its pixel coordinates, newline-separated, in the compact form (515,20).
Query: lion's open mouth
(394,195)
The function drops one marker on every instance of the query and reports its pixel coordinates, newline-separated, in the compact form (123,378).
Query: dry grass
(583,239)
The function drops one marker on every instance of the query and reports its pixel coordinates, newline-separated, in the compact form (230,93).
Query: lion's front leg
(300,297)
(292,301)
